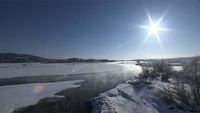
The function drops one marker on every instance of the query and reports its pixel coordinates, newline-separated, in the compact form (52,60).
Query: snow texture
(133,98)
(15,96)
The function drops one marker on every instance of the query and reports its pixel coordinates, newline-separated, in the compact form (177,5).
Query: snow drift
(134,97)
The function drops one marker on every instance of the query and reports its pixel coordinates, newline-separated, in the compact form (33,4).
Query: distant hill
(13,57)
(26,58)
(177,60)
(180,59)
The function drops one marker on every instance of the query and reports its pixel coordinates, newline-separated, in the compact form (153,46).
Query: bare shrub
(155,71)
(191,76)
(179,94)
(163,70)
(185,92)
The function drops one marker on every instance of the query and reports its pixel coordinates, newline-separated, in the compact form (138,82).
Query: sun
(154,28)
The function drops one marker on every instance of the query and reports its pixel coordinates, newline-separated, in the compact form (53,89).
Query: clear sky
(99,28)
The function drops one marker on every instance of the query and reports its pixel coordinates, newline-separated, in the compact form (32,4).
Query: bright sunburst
(154,28)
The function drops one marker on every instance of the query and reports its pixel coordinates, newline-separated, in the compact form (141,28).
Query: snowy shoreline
(17,96)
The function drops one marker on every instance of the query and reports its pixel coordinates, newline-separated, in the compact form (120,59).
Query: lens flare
(154,28)
(38,88)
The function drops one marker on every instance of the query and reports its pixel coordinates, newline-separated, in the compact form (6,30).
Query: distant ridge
(171,60)
(27,58)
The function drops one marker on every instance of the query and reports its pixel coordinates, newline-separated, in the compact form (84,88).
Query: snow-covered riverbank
(132,97)
(15,96)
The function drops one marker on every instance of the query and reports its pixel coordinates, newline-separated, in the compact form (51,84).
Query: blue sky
(99,28)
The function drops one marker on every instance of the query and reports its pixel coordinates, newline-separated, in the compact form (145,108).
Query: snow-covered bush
(191,76)
(185,91)
(179,94)
(162,70)
(155,71)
